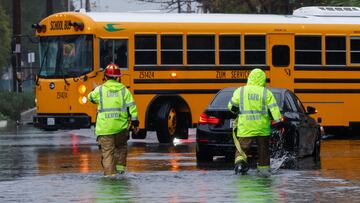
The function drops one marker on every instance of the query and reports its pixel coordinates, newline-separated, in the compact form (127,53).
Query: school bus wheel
(166,127)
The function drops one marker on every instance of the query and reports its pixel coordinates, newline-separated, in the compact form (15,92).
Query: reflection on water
(142,157)
(64,166)
(256,189)
(160,157)
(66,160)
(341,159)
(113,190)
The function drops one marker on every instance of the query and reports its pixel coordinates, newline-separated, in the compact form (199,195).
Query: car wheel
(293,146)
(316,152)
(166,123)
(203,155)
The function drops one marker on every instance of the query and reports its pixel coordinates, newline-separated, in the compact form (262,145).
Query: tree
(266,6)
(171,5)
(246,6)
(345,3)
(5,38)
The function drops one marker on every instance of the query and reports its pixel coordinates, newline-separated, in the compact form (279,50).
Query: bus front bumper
(61,121)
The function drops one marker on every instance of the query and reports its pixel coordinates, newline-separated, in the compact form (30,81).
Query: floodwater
(64,166)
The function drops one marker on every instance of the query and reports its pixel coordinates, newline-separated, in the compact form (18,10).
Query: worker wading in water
(252,103)
(116,113)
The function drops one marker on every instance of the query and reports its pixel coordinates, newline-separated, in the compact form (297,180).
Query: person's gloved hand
(278,124)
(135,126)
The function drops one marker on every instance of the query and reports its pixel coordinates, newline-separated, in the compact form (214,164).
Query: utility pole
(66,5)
(49,7)
(179,6)
(16,46)
(87,6)
(188,6)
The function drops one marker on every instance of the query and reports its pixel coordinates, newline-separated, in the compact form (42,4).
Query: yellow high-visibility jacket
(115,102)
(253,102)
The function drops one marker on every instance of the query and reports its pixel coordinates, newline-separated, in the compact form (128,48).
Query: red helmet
(113,70)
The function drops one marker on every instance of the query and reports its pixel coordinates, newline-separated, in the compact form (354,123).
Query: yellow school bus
(175,63)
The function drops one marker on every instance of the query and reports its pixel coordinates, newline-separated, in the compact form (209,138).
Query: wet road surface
(64,166)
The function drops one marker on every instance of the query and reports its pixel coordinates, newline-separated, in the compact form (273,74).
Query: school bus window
(145,50)
(280,56)
(255,49)
(355,49)
(171,49)
(335,50)
(230,49)
(113,51)
(201,49)
(308,50)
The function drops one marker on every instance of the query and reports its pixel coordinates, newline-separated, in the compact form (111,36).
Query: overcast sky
(122,5)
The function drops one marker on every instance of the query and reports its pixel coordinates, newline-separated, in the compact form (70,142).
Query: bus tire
(182,125)
(166,123)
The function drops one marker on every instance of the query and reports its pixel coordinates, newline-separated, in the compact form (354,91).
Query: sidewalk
(26,117)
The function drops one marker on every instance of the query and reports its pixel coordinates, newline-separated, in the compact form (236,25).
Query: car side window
(299,106)
(288,105)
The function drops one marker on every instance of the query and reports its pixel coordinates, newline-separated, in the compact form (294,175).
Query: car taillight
(205,119)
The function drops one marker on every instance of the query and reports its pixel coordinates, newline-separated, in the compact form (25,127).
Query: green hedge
(12,104)
(2,117)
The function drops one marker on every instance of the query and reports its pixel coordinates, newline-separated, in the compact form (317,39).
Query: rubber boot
(109,176)
(120,169)
(241,167)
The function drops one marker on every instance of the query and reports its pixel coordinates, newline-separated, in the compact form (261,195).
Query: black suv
(300,134)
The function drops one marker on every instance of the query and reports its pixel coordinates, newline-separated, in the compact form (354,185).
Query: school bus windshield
(66,56)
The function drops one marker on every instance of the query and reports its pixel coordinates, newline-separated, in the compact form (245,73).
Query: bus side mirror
(311,110)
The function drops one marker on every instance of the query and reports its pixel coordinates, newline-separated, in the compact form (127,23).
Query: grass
(2,117)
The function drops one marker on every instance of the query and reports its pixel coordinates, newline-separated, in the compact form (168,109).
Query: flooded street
(64,166)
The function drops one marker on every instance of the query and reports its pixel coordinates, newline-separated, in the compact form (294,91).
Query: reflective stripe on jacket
(115,102)
(254,102)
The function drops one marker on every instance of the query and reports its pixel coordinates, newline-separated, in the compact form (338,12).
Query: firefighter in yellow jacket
(116,107)
(252,103)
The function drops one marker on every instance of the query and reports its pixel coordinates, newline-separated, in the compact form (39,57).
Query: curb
(27,116)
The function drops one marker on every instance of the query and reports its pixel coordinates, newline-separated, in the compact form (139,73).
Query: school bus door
(115,50)
(281,60)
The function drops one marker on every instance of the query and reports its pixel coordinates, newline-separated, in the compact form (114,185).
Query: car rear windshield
(222,99)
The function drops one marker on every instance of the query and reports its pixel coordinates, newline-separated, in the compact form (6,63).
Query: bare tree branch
(251,6)
(172,5)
